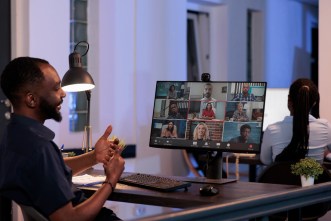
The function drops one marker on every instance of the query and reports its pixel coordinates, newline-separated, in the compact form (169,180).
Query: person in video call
(42,178)
(245,131)
(245,95)
(208,112)
(170,131)
(303,133)
(240,114)
(174,111)
(201,132)
(257,114)
(207,93)
(172,93)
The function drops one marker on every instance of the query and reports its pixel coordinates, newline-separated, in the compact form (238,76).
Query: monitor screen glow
(232,122)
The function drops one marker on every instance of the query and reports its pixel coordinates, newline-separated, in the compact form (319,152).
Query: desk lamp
(76,79)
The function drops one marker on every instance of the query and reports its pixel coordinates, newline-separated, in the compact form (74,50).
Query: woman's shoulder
(320,121)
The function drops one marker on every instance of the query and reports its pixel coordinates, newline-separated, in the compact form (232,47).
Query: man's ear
(30,100)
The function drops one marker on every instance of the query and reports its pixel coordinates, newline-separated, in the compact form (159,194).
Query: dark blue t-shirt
(32,170)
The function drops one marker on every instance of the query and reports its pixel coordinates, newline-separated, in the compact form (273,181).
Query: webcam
(205,77)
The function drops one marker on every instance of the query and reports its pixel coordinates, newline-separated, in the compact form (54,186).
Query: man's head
(245,88)
(173,108)
(208,90)
(240,107)
(34,88)
(245,131)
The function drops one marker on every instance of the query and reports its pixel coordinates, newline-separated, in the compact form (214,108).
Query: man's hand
(104,147)
(114,167)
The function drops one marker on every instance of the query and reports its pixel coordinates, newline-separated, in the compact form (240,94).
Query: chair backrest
(5,208)
(31,214)
(280,173)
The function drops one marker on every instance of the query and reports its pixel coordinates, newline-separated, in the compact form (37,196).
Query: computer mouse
(208,190)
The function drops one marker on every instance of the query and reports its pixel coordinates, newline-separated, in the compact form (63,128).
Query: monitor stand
(214,164)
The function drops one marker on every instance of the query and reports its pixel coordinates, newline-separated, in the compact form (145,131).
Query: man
(207,93)
(245,131)
(245,95)
(174,112)
(32,170)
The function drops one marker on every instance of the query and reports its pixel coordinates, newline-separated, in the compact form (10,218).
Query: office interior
(135,43)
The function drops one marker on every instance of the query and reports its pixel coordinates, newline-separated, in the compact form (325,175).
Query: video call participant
(245,131)
(245,95)
(207,93)
(172,94)
(201,132)
(170,131)
(303,133)
(257,114)
(208,112)
(240,114)
(174,111)
(42,178)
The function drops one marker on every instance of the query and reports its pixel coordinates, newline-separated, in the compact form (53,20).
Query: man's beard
(49,111)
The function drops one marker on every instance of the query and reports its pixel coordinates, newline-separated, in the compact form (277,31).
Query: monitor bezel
(188,144)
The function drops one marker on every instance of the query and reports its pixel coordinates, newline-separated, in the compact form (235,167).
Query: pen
(92,183)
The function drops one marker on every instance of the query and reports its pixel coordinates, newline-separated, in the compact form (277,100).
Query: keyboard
(159,183)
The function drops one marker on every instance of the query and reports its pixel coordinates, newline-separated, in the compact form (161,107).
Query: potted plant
(308,169)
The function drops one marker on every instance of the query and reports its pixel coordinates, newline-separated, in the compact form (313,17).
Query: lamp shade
(76,78)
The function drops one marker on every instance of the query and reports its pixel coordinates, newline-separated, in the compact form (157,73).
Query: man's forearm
(81,162)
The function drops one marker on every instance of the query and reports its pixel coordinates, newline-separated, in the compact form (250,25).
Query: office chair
(280,173)
(31,214)
(5,208)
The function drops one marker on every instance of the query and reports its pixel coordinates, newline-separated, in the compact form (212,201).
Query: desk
(235,201)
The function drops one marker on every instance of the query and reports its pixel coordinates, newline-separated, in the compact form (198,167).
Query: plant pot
(307,181)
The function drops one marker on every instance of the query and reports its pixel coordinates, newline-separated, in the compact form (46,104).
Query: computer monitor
(275,106)
(182,121)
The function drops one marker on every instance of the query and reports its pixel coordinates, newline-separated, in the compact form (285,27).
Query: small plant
(307,167)
(71,154)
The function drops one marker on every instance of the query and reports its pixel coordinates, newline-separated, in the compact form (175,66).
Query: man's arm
(101,154)
(81,162)
(89,209)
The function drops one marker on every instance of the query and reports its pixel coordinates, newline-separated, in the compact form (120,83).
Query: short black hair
(20,72)
(245,126)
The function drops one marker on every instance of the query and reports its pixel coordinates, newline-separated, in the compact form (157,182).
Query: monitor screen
(224,116)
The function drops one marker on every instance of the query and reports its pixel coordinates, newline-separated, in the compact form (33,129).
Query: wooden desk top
(228,193)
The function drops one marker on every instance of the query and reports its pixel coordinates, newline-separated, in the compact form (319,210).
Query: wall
(324,57)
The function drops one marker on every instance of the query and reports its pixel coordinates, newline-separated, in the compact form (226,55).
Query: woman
(201,132)
(208,112)
(172,94)
(240,114)
(302,134)
(170,131)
